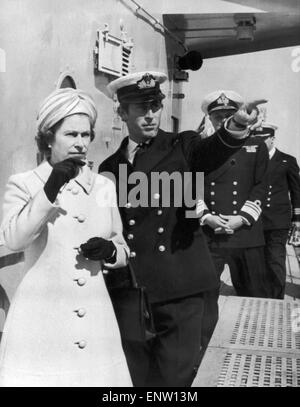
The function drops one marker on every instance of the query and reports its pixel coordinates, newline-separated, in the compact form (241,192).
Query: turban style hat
(62,103)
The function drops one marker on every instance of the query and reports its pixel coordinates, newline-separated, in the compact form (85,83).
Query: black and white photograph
(149,196)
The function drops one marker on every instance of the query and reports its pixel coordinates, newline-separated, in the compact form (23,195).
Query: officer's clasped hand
(248,113)
(98,248)
(62,173)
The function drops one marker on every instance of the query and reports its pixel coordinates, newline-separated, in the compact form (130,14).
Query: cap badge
(147,81)
(223,100)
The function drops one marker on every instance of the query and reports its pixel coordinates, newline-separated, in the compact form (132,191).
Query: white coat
(61,329)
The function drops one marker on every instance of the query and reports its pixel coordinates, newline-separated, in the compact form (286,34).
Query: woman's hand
(98,248)
(61,173)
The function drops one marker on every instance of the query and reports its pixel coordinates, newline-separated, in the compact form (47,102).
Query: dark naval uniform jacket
(169,252)
(283,201)
(239,187)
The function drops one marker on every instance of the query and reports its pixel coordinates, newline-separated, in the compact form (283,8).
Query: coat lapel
(275,160)
(159,148)
(85,178)
(221,170)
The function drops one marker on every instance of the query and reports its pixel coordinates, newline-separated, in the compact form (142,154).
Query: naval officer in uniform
(234,194)
(168,251)
(282,209)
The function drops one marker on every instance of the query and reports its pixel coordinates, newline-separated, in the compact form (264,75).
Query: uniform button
(270,186)
(234,202)
(132,254)
(81,218)
(81,312)
(81,281)
(212,203)
(213,213)
(212,193)
(81,344)
(128,205)
(161,230)
(234,212)
(162,248)
(235,183)
(75,191)
(159,212)
(132,222)
(269,193)
(156,196)
(268,205)
(268,199)
(130,236)
(212,183)
(234,192)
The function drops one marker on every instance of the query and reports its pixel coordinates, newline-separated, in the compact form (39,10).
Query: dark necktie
(140,150)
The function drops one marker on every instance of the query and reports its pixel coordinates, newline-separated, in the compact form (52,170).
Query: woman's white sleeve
(117,234)
(23,215)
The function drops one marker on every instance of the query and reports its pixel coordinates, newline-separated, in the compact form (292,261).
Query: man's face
(269,142)
(142,119)
(217,117)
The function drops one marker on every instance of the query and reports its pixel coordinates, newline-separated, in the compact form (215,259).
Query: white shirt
(132,148)
(272,152)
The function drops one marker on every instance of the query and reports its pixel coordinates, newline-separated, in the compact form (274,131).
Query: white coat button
(81,344)
(81,312)
(132,222)
(81,218)
(234,192)
(162,248)
(128,205)
(75,191)
(156,196)
(161,230)
(212,183)
(159,212)
(235,183)
(132,254)
(234,212)
(81,281)
(130,236)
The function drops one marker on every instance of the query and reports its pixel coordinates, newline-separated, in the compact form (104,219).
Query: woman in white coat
(61,329)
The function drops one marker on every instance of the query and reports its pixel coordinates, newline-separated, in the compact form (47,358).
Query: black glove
(61,174)
(98,248)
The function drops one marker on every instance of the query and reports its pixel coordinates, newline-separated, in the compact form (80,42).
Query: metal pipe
(156,22)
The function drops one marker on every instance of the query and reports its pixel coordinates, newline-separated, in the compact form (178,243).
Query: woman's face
(71,139)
